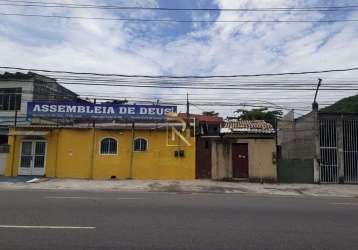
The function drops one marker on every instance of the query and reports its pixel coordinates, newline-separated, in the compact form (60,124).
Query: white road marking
(92,198)
(46,227)
(70,197)
(129,198)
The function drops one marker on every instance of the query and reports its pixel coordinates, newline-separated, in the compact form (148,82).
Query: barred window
(108,146)
(140,145)
(10,99)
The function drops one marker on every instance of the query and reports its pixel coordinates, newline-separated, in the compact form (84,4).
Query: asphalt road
(111,220)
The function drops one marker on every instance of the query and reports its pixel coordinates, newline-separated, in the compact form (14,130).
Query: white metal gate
(350,150)
(328,149)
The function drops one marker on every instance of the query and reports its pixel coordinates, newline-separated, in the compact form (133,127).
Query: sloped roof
(246,126)
(203,118)
(23,76)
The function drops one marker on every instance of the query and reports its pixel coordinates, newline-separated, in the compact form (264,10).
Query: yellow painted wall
(260,153)
(69,155)
(260,158)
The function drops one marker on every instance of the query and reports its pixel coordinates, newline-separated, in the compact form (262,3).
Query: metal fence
(350,150)
(328,148)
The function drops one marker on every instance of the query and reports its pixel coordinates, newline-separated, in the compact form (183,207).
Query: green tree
(259,114)
(210,113)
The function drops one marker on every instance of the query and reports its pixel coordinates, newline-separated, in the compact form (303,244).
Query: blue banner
(98,111)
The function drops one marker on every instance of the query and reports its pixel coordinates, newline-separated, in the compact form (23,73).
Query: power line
(118,7)
(183,77)
(177,21)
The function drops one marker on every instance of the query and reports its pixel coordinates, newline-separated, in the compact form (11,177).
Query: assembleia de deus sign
(117,111)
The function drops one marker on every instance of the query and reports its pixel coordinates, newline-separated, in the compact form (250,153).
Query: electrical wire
(176,20)
(118,7)
(187,76)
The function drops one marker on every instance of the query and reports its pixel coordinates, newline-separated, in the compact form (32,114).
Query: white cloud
(218,48)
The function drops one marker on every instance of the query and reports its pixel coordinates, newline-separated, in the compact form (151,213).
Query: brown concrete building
(207,129)
(245,150)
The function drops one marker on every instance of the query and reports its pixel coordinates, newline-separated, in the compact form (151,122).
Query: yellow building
(147,152)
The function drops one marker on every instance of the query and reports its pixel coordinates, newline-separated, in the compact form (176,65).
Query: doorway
(240,160)
(203,158)
(33,157)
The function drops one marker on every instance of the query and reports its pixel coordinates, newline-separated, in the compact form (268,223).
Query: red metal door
(240,160)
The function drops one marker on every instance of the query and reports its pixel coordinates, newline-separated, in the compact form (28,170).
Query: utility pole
(132,152)
(317,167)
(93,146)
(187,109)
(315,104)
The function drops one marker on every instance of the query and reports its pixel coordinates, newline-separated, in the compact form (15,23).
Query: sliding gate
(339,150)
(328,149)
(350,150)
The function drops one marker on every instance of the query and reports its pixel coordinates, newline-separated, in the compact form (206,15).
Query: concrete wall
(295,171)
(296,137)
(261,163)
(69,155)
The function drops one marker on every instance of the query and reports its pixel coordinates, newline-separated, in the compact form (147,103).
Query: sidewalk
(194,186)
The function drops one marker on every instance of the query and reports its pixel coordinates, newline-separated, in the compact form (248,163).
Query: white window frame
(31,170)
(100,146)
(140,151)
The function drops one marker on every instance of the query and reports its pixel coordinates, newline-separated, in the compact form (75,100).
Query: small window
(140,145)
(108,146)
(10,99)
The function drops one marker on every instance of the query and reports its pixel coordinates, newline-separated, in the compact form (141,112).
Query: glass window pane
(10,98)
(113,146)
(26,148)
(26,161)
(18,102)
(11,102)
(40,148)
(108,146)
(140,144)
(1,102)
(6,102)
(39,161)
(144,145)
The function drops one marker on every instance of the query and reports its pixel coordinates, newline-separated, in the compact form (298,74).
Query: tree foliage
(210,113)
(345,105)
(259,114)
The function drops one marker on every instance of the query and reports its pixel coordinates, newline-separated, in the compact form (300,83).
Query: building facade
(321,147)
(245,150)
(116,152)
(16,90)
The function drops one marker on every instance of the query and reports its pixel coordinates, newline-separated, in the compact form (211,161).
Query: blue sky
(181,49)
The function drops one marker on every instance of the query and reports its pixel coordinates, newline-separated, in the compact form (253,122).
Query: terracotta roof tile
(246,126)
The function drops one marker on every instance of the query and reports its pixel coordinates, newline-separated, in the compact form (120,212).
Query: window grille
(108,146)
(140,145)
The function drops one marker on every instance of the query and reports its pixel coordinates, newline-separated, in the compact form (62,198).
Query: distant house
(245,150)
(16,90)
